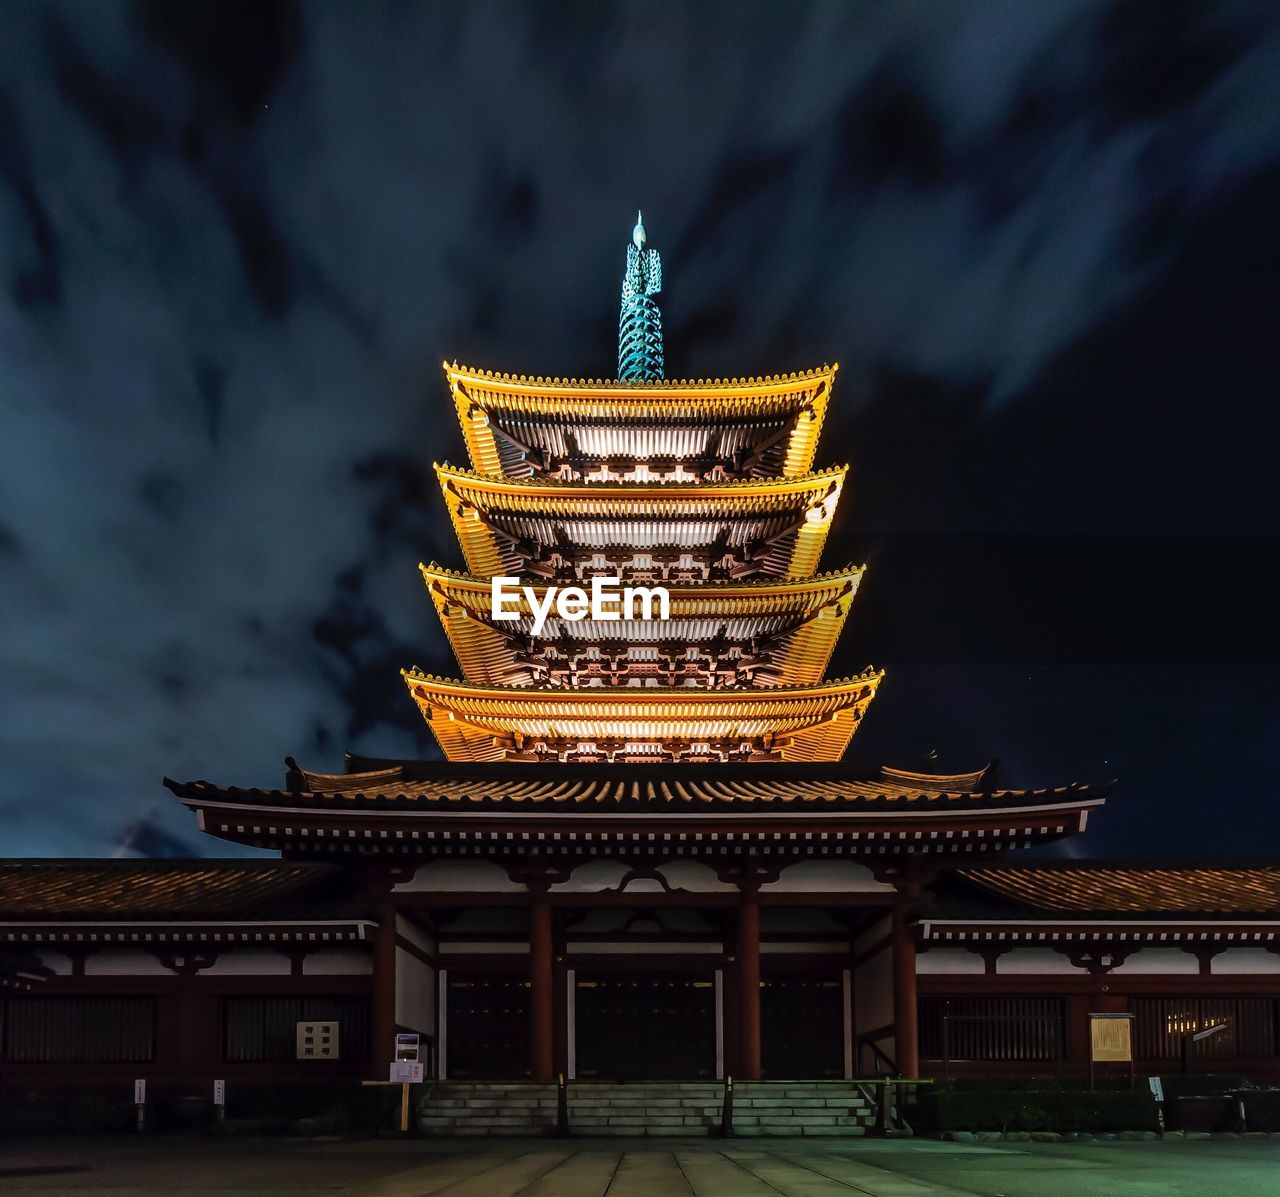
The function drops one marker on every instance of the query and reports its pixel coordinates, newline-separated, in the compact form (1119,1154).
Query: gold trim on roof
(478,723)
(781,524)
(624,408)
(716,632)
(529,384)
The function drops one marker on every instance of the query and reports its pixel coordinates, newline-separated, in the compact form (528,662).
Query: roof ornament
(640,356)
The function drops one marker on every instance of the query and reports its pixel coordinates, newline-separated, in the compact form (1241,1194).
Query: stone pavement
(649,1168)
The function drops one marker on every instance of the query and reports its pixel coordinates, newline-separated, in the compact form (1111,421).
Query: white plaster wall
(249,962)
(873,983)
(504,946)
(407,929)
(949,962)
(60,964)
(1243,961)
(1170,962)
(1039,961)
(831,876)
(125,962)
(592,877)
(452,875)
(783,949)
(873,934)
(337,962)
(644,885)
(415,993)
(696,876)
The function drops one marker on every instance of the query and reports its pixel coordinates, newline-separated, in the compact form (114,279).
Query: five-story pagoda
(643,855)
(705,489)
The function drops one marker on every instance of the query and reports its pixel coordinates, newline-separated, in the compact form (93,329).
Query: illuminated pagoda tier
(757,633)
(645,853)
(608,431)
(644,532)
(803,723)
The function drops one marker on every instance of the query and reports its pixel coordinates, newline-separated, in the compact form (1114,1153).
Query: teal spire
(640,321)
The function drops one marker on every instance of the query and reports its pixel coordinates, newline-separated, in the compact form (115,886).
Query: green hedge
(344,1108)
(1027,1110)
(1174,1086)
(58,1111)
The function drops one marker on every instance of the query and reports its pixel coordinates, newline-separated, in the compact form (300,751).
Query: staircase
(828,1108)
(515,1108)
(645,1109)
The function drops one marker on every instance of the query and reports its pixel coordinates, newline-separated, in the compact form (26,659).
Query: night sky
(237,240)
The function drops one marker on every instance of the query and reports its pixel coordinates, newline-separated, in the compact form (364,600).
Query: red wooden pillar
(542,1025)
(906,1035)
(749,986)
(383,1049)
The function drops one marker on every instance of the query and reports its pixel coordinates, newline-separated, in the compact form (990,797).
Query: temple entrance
(487,1024)
(655,1026)
(802,1025)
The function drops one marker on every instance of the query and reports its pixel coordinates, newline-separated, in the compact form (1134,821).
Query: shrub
(1028,1110)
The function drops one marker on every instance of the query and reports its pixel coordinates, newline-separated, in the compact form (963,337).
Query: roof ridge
(615,384)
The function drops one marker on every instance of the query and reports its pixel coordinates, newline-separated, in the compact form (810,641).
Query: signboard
(1157,1087)
(140,1092)
(407,1045)
(317,1040)
(406,1072)
(219,1093)
(1111,1038)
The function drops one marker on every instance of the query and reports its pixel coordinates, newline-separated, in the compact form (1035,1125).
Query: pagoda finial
(640,355)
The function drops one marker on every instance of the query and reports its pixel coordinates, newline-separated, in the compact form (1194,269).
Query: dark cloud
(237,239)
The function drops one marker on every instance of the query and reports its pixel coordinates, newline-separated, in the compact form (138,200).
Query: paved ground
(582,1168)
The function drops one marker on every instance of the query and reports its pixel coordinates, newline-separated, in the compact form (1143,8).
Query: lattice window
(78,1030)
(1161,1023)
(262,1029)
(992,1027)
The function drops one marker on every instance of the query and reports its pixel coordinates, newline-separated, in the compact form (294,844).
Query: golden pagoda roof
(774,527)
(489,723)
(716,631)
(518,426)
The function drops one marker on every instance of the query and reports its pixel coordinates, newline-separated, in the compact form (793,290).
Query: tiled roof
(1122,888)
(787,628)
(668,788)
(570,418)
(480,723)
(152,888)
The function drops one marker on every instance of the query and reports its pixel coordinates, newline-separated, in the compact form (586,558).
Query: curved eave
(476,723)
(667,390)
(753,494)
(784,522)
(798,621)
(621,408)
(398,822)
